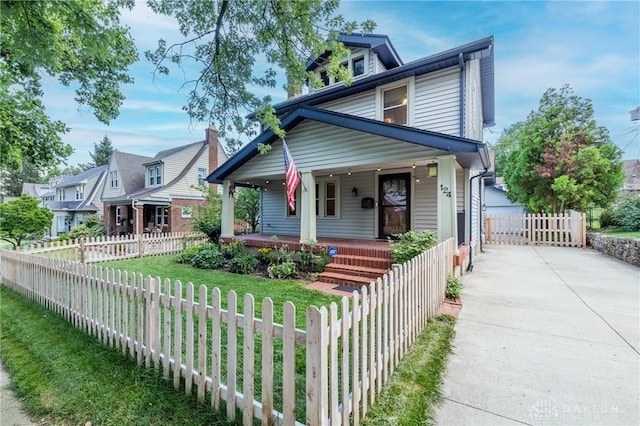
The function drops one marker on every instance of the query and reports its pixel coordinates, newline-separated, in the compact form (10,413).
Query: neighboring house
(497,203)
(158,194)
(72,198)
(632,177)
(37,190)
(394,151)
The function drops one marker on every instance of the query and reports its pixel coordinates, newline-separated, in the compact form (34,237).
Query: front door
(394,204)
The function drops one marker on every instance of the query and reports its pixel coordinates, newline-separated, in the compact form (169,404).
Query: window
(118,216)
(395,102)
(113,178)
(202,176)
(357,66)
(395,105)
(155,175)
(328,197)
(61,196)
(80,192)
(324,76)
(186,211)
(162,216)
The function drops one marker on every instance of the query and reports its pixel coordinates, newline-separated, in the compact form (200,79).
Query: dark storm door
(394,204)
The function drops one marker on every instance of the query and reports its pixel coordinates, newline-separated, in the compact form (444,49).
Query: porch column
(447,217)
(308,207)
(228,190)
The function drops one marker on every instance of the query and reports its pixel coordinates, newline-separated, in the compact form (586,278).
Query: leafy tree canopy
(79,42)
(13,179)
(237,46)
(559,158)
(22,219)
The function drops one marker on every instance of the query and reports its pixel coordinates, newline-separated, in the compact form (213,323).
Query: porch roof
(468,152)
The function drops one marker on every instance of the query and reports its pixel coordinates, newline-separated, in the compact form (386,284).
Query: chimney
(290,92)
(212,142)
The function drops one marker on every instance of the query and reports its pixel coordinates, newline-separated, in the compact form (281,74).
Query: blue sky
(592,46)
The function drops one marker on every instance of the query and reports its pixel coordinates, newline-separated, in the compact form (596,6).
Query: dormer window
(155,175)
(357,66)
(356,63)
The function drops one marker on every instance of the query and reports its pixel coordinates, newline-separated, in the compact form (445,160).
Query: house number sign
(445,191)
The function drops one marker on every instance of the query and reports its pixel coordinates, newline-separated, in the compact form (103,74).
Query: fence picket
(216,337)
(267,361)
(288,358)
(188,356)
(202,342)
(232,310)
(248,364)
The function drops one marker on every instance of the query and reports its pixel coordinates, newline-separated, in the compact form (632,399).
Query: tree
(12,180)
(228,40)
(207,218)
(559,158)
(247,206)
(102,152)
(507,142)
(76,41)
(23,218)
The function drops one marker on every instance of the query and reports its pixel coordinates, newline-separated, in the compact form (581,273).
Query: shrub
(266,256)
(453,289)
(306,260)
(235,248)
(410,244)
(211,230)
(187,255)
(245,264)
(208,259)
(63,237)
(282,270)
(607,218)
(323,260)
(627,214)
(80,231)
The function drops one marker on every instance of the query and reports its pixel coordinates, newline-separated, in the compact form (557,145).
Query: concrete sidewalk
(11,413)
(546,335)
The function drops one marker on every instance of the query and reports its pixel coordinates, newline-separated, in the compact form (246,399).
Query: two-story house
(398,149)
(72,198)
(159,193)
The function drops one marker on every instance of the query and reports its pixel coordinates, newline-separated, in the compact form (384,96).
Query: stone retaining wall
(625,249)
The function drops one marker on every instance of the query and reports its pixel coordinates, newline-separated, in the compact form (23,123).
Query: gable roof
(468,152)
(481,49)
(73,180)
(378,43)
(168,152)
(131,170)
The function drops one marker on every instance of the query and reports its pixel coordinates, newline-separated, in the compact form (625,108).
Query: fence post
(317,365)
(139,237)
(81,250)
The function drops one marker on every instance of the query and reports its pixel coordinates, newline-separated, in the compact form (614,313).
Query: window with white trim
(61,195)
(356,63)
(118,216)
(80,192)
(162,216)
(202,176)
(328,197)
(155,175)
(187,211)
(395,102)
(113,179)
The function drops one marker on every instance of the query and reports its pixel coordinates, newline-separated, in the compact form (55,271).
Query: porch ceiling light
(379,168)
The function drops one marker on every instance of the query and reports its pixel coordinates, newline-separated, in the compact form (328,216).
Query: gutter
(484,174)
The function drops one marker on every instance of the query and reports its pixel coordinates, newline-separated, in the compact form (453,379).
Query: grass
(415,389)
(279,291)
(617,233)
(67,377)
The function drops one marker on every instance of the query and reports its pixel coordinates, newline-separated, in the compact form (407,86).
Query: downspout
(462,92)
(479,175)
(133,206)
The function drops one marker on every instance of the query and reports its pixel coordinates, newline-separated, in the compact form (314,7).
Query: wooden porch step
(366,261)
(356,270)
(343,279)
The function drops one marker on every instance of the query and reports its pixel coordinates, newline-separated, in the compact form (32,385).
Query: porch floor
(351,246)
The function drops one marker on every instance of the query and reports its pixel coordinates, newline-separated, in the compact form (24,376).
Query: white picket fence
(101,249)
(564,229)
(350,350)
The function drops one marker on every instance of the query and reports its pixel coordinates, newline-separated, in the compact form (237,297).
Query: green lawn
(617,233)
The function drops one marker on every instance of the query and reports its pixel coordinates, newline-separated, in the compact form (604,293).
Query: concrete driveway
(546,336)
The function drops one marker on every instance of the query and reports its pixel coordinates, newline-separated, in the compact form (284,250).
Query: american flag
(291,176)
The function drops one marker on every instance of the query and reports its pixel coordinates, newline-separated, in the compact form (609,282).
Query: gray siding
(109,192)
(316,146)
(360,105)
(437,102)
(425,208)
(473,101)
(460,189)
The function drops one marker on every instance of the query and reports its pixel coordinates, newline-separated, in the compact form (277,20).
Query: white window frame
(79,192)
(162,218)
(187,211)
(113,177)
(349,62)
(202,176)
(154,174)
(61,195)
(321,197)
(411,96)
(118,215)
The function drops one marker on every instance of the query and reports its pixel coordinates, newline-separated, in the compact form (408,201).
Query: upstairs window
(202,176)
(357,66)
(80,192)
(395,105)
(113,178)
(155,175)
(61,195)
